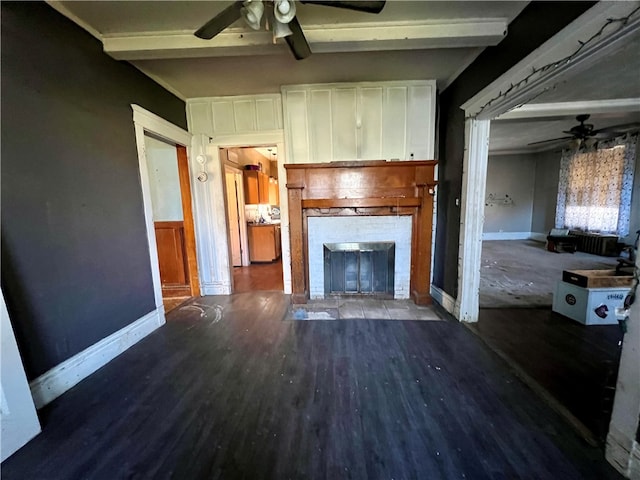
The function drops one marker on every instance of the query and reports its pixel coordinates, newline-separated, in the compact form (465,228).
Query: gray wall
(512,178)
(537,22)
(546,191)
(75,258)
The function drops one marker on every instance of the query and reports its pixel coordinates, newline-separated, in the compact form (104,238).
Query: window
(594,190)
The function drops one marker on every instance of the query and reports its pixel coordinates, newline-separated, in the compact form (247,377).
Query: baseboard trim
(62,377)
(623,453)
(506,236)
(539,237)
(444,299)
(215,288)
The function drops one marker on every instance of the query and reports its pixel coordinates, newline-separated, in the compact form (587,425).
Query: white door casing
(210,203)
(18,417)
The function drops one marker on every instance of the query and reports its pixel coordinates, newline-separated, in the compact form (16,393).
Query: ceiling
(609,91)
(408,40)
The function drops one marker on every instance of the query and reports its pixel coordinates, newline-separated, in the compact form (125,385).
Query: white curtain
(595,186)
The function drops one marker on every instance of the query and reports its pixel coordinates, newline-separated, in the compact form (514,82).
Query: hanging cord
(622,22)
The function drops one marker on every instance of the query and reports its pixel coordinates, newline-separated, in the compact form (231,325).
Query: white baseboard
(444,299)
(506,236)
(215,288)
(62,377)
(623,453)
(539,237)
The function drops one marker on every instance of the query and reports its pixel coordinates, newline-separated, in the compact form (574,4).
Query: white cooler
(590,306)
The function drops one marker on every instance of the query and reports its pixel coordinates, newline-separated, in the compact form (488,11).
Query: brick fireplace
(360,195)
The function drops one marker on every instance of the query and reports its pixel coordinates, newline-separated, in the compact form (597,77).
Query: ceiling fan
(280,16)
(586,133)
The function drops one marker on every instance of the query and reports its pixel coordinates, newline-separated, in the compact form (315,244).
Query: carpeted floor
(523,274)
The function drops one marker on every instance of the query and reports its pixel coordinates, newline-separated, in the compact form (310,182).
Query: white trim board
(539,237)
(62,377)
(474,174)
(145,121)
(571,109)
(444,299)
(491,102)
(488,236)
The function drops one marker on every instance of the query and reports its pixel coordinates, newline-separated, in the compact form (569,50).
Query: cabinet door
(273,192)
(277,234)
(262,243)
(251,192)
(263,187)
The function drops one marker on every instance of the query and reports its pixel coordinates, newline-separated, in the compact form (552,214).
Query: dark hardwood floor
(247,395)
(172,303)
(575,363)
(258,277)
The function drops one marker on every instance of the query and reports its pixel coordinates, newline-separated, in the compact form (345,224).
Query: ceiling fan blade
(623,128)
(561,139)
(358,6)
(297,41)
(220,21)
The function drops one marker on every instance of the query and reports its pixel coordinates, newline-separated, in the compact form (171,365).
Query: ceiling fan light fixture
(252,11)
(280,30)
(589,143)
(575,144)
(284,10)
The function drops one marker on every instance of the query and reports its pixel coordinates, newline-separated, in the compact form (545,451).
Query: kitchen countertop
(264,224)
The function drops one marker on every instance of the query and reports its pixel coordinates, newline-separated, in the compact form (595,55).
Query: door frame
(145,121)
(244,248)
(257,139)
(564,55)
(18,418)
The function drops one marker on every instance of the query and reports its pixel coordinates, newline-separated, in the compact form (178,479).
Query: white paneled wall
(307,123)
(234,115)
(360,121)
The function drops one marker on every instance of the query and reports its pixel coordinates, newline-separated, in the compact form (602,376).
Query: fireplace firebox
(359,268)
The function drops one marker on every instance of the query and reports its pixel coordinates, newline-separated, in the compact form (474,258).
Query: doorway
(253,217)
(173,224)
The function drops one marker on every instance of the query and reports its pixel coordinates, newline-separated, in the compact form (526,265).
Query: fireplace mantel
(362,188)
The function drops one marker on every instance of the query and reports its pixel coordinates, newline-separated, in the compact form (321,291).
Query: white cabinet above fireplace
(359,121)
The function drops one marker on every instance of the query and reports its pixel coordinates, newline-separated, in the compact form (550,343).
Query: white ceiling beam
(322,38)
(571,109)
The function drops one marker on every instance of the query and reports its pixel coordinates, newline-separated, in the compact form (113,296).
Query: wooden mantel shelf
(356,164)
(369,188)
(362,202)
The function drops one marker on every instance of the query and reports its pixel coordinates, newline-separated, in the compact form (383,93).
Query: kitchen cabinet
(274,192)
(360,121)
(256,187)
(264,242)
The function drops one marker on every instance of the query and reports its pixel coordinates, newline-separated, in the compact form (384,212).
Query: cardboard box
(597,278)
(589,306)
